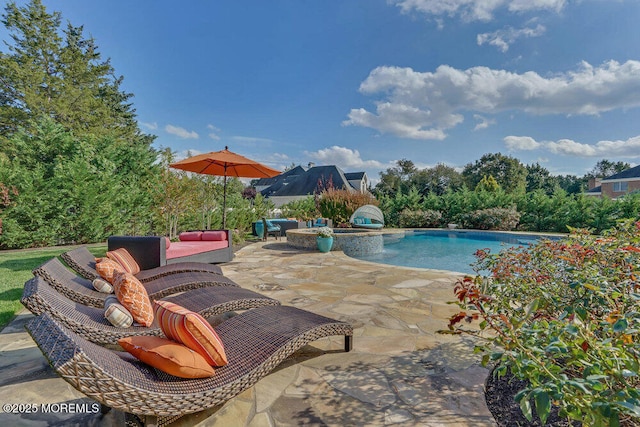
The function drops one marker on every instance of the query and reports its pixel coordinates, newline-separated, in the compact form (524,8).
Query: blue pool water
(444,249)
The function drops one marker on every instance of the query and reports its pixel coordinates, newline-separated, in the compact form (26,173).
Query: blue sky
(363,83)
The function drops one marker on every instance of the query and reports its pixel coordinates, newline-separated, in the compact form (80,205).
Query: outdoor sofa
(208,246)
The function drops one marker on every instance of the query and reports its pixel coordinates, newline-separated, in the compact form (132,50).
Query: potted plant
(324,239)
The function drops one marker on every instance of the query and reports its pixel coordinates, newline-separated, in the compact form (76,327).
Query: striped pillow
(102,285)
(134,297)
(116,314)
(190,329)
(107,268)
(124,258)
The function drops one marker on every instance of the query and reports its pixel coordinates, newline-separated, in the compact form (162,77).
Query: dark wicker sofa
(151,251)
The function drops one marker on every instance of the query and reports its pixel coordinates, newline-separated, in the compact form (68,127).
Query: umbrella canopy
(225,163)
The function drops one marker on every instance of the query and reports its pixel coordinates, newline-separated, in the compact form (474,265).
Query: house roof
(596,190)
(283,177)
(351,176)
(625,174)
(307,183)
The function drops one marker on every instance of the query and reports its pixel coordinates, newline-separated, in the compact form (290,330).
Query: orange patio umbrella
(225,163)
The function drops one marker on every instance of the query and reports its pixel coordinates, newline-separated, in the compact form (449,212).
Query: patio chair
(89,322)
(270,228)
(81,290)
(256,342)
(84,263)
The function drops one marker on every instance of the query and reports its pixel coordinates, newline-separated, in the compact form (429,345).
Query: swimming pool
(444,249)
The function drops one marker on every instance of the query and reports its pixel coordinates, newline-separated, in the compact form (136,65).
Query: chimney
(593,183)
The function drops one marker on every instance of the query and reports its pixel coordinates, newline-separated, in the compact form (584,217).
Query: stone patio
(400,372)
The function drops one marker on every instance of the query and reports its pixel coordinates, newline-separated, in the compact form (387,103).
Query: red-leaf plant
(563,315)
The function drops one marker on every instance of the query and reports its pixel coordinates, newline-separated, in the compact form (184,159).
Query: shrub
(304,209)
(563,315)
(420,218)
(339,205)
(492,219)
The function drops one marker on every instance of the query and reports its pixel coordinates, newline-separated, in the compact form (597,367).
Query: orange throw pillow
(107,269)
(134,297)
(190,329)
(124,258)
(167,356)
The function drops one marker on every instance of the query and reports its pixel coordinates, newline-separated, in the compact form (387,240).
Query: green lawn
(15,269)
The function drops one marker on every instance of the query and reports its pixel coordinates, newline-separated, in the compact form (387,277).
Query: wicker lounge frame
(256,342)
(84,263)
(81,290)
(89,322)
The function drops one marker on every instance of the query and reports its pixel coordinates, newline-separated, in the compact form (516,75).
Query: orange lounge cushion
(107,269)
(190,329)
(124,258)
(134,297)
(167,356)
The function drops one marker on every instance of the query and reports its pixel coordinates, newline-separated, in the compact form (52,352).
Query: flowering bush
(420,218)
(325,232)
(565,316)
(492,219)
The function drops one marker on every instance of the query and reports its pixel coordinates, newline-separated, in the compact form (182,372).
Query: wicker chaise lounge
(256,341)
(81,290)
(89,322)
(84,263)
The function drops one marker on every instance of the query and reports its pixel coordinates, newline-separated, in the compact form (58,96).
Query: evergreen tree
(70,148)
(59,74)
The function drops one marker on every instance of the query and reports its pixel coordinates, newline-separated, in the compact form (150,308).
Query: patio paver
(400,372)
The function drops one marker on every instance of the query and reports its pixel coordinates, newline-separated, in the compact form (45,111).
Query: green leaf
(632,408)
(572,329)
(579,385)
(627,373)
(525,407)
(620,325)
(543,405)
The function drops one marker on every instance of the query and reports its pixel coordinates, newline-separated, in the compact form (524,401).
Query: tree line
(499,192)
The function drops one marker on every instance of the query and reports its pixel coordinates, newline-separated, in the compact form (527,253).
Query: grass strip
(15,270)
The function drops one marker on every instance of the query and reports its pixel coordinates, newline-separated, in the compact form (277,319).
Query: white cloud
(474,10)
(521,143)
(423,105)
(504,38)
(629,148)
(344,157)
(214,132)
(483,122)
(181,132)
(150,126)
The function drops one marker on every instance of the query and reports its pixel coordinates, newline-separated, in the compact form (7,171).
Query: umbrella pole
(224,202)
